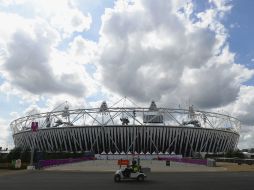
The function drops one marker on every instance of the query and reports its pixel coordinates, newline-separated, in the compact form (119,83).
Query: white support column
(27,140)
(141,132)
(227,144)
(115,138)
(125,147)
(110,134)
(50,141)
(166,138)
(43,140)
(121,136)
(204,136)
(90,138)
(219,135)
(134,138)
(224,143)
(147,139)
(55,141)
(211,140)
(187,142)
(69,140)
(128,138)
(174,140)
(47,141)
(74,138)
(183,134)
(84,137)
(231,142)
(150,139)
(144,138)
(216,139)
(79,139)
(32,140)
(45,137)
(154,138)
(193,137)
(163,138)
(103,138)
(221,143)
(62,140)
(198,139)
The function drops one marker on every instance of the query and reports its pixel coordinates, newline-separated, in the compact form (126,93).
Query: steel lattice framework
(128,129)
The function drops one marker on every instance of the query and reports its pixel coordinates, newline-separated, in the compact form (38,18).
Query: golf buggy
(133,172)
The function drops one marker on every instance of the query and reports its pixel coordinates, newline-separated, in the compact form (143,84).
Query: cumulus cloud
(31,63)
(71,21)
(164,51)
(5,135)
(63,15)
(153,51)
(246,138)
(243,107)
(28,68)
(83,51)
(218,86)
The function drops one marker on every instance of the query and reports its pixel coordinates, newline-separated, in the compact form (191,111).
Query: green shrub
(14,154)
(25,155)
(234,154)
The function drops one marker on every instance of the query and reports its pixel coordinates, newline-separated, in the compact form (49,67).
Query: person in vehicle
(127,171)
(134,166)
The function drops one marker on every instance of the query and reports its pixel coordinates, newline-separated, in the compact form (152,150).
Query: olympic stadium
(127,130)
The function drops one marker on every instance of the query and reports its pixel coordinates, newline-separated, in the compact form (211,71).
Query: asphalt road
(47,180)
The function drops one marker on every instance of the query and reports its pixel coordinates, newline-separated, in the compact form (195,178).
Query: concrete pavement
(4,172)
(53,180)
(155,165)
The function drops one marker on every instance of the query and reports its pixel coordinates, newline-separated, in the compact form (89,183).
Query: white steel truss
(128,129)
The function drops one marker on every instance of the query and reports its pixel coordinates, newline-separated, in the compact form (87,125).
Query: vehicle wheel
(141,178)
(117,178)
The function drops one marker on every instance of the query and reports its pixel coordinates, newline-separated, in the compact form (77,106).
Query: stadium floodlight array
(127,129)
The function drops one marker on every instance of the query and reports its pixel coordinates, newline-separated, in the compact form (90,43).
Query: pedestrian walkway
(4,172)
(155,165)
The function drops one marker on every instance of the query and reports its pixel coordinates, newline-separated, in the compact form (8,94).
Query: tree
(234,153)
(14,154)
(25,155)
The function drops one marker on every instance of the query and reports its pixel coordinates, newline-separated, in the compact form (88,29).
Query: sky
(84,52)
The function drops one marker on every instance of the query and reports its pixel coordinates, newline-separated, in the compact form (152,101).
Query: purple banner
(34,126)
(48,163)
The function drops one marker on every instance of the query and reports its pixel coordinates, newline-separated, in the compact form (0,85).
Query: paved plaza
(155,165)
(99,175)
